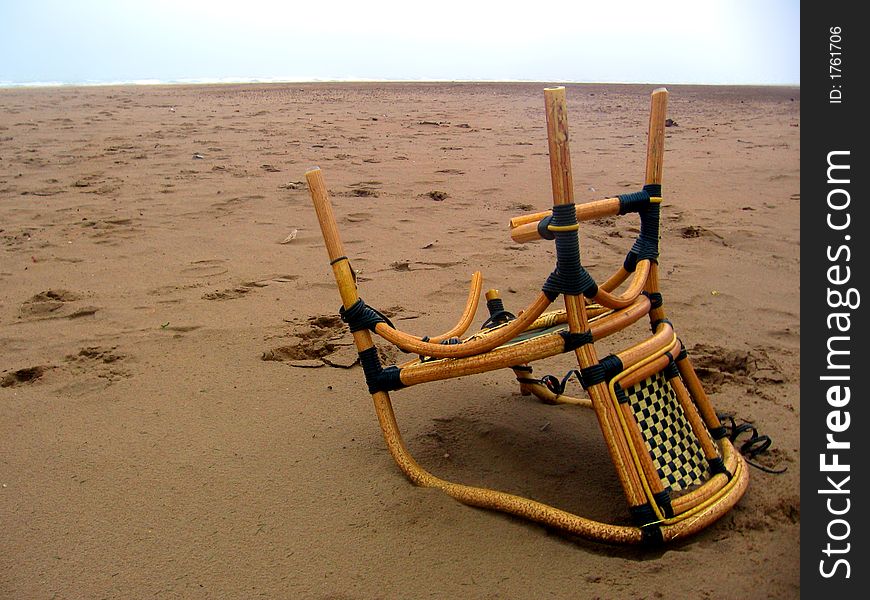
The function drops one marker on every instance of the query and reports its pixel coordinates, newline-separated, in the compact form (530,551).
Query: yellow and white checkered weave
(674,448)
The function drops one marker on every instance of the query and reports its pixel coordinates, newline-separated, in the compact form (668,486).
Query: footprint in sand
(88,180)
(227,294)
(696,231)
(106,364)
(22,376)
(323,340)
(436,195)
(363,189)
(47,191)
(49,301)
(316,338)
(96,354)
(628,184)
(234,203)
(244,288)
(54,304)
(441,265)
(205,268)
(97,184)
(111,231)
(717,366)
(358,217)
(166,290)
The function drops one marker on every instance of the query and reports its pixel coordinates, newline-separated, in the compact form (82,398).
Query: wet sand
(179,411)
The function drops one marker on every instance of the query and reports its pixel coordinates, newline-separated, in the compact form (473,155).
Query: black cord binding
(750,448)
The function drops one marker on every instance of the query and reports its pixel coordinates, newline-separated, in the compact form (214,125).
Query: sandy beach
(180,408)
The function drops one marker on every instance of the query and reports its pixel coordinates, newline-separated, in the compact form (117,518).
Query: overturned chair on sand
(673,458)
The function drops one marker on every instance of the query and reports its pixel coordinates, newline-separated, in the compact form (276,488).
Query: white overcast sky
(666,41)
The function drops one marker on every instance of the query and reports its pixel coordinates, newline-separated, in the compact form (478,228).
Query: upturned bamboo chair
(671,453)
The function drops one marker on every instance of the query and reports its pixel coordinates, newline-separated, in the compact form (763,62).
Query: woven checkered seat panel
(674,448)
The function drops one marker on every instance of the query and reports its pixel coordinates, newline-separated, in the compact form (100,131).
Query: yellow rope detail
(709,501)
(573,227)
(655,199)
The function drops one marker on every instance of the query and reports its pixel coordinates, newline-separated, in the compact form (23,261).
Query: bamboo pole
(526,351)
(468,314)
(695,421)
(586,211)
(331,238)
(615,280)
(651,368)
(608,420)
(504,357)
(652,287)
(637,285)
(655,155)
(481,497)
(410,343)
(701,507)
(341,269)
(525,228)
(663,338)
(610,324)
(562,179)
(548,396)
(713,509)
(559,316)
(699,396)
(563,193)
(655,149)
(493,499)
(644,460)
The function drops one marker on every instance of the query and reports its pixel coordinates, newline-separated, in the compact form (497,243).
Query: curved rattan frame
(546,334)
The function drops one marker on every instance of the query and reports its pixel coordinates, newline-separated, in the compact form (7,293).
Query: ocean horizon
(302,80)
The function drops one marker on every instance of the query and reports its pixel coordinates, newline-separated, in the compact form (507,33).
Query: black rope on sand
(756,444)
(551,382)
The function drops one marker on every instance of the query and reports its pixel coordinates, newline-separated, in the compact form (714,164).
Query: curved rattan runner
(677,468)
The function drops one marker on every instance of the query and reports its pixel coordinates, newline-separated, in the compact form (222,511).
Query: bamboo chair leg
(493,499)
(548,396)
(468,314)
(563,193)
(699,396)
(712,509)
(474,496)
(696,509)
(655,154)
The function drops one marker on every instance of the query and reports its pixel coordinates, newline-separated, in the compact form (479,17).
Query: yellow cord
(573,227)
